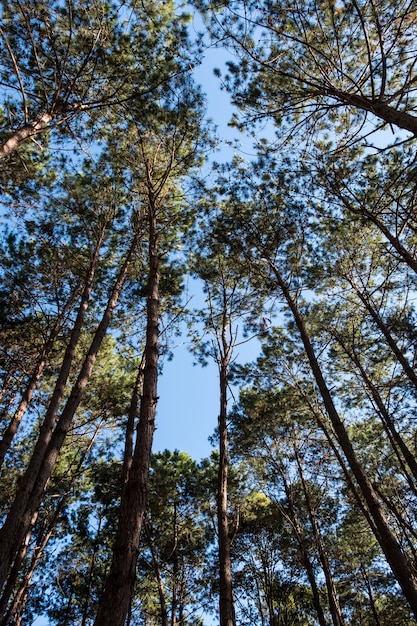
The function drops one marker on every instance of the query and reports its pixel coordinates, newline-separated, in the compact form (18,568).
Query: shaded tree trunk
(398,561)
(158,576)
(334,604)
(227,613)
(116,598)
(295,523)
(31,489)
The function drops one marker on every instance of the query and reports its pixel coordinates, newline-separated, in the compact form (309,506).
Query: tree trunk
(386,332)
(116,598)
(20,598)
(398,561)
(295,523)
(31,489)
(380,109)
(334,604)
(15,422)
(157,570)
(227,610)
(388,423)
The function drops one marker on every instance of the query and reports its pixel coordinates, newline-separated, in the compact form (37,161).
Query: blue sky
(188,403)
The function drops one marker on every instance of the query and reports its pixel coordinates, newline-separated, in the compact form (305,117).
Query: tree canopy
(303,260)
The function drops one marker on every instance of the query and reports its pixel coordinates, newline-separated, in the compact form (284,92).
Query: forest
(115,193)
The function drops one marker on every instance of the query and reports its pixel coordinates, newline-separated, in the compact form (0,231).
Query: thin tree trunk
(157,570)
(398,561)
(13,575)
(362,211)
(387,334)
(116,598)
(11,429)
(295,523)
(16,420)
(31,489)
(371,596)
(19,601)
(384,414)
(174,554)
(227,614)
(334,604)
(59,390)
(130,425)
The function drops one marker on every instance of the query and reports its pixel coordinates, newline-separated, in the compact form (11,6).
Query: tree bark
(31,489)
(27,131)
(227,613)
(116,598)
(396,558)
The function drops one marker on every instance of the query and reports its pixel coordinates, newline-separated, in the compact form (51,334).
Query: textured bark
(31,489)
(27,131)
(227,613)
(116,599)
(396,558)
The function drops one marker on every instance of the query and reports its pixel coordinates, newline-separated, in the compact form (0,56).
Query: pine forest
(294,221)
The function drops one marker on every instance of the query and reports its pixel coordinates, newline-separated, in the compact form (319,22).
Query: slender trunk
(116,598)
(158,576)
(387,334)
(174,600)
(96,549)
(334,604)
(397,559)
(16,420)
(386,419)
(227,614)
(346,473)
(19,601)
(130,424)
(362,211)
(12,427)
(14,573)
(31,489)
(59,390)
(371,596)
(295,523)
